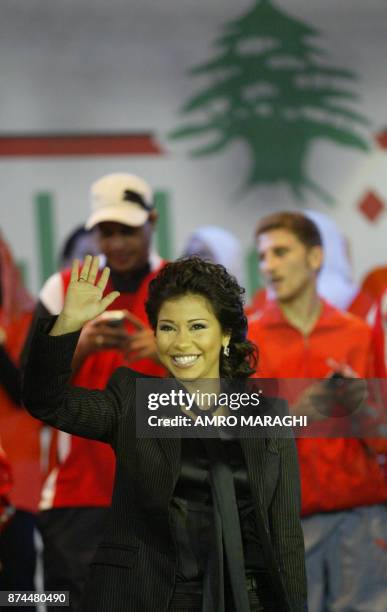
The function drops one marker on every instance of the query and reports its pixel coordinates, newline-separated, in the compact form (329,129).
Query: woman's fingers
(104,279)
(93,270)
(89,272)
(88,275)
(84,275)
(109,298)
(74,271)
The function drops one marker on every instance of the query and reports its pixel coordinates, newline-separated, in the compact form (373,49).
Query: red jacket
(379,336)
(5,475)
(336,473)
(85,472)
(20,433)
(5,487)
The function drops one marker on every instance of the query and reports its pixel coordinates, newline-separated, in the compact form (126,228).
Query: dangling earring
(226,351)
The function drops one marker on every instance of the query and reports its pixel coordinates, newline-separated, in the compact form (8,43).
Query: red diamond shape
(381,139)
(371,206)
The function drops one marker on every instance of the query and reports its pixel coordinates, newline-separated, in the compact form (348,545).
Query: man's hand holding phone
(350,391)
(109,331)
(341,394)
(142,343)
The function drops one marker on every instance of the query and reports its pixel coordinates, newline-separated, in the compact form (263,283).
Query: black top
(129,283)
(192,510)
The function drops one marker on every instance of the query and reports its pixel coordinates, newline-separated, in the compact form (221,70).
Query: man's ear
(153,216)
(316,257)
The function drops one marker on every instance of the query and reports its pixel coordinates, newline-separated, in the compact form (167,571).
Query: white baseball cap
(123,198)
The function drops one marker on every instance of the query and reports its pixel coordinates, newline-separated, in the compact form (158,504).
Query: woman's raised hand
(84,297)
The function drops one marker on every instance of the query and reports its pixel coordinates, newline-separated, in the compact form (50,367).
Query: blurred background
(229,111)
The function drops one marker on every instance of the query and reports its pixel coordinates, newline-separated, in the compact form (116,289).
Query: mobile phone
(335,380)
(113,318)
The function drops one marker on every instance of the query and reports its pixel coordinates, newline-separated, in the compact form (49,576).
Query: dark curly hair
(212,281)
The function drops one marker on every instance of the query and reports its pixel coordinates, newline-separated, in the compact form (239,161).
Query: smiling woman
(189,337)
(196,310)
(190,528)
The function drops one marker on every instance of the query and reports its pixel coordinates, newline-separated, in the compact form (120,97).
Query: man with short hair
(299,335)
(78,490)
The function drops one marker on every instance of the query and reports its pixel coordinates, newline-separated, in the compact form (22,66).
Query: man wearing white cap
(78,489)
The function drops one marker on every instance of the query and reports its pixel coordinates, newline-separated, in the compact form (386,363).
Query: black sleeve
(40,312)
(48,396)
(10,377)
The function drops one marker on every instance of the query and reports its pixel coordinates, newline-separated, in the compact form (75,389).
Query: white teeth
(185,359)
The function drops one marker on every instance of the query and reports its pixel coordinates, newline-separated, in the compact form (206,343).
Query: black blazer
(135,565)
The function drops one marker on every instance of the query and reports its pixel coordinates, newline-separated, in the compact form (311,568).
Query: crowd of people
(130,524)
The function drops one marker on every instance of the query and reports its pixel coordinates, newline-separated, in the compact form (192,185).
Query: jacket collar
(271,316)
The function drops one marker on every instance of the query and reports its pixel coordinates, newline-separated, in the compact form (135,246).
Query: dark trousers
(70,537)
(18,556)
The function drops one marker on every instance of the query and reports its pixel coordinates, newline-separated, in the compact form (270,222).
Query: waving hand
(84,297)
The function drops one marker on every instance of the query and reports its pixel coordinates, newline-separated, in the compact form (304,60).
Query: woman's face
(189,338)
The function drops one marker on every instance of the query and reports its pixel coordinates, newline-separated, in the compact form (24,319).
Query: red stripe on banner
(79,144)
(381,139)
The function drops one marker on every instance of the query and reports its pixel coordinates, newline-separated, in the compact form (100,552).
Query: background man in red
(299,335)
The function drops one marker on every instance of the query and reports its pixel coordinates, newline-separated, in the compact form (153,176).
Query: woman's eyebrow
(189,320)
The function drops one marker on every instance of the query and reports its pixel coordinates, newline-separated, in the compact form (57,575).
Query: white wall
(94,66)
